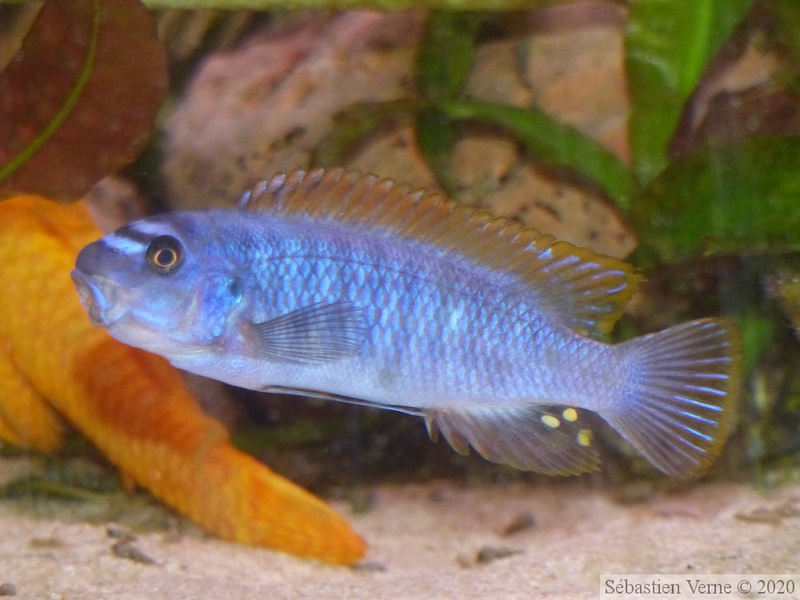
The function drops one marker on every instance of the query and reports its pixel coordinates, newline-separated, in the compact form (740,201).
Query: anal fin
(554,440)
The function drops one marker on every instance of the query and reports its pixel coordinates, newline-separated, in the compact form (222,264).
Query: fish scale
(357,289)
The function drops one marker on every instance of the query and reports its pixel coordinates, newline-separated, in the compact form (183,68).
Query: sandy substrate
(425,542)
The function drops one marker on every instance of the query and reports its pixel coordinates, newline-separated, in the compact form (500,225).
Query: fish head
(159,284)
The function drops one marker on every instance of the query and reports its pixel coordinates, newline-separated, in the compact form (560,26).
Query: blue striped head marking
(157,275)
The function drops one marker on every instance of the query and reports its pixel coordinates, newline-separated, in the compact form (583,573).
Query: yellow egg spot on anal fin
(551,421)
(570,414)
(585,437)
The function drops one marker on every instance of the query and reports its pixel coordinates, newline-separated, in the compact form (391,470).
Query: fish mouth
(92,297)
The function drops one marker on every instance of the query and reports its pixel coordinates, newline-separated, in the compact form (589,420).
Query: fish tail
(679,402)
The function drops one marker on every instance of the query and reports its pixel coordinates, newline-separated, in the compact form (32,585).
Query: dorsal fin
(583,290)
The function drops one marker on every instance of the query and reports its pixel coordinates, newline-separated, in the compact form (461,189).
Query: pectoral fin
(554,440)
(314,334)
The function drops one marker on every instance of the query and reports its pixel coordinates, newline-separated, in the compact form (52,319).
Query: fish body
(133,405)
(414,328)
(357,289)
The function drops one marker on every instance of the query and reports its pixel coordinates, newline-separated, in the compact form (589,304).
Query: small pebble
(486,555)
(635,492)
(521,522)
(369,567)
(771,516)
(489,554)
(437,497)
(464,562)
(119,533)
(8,589)
(46,543)
(127,549)
(362,501)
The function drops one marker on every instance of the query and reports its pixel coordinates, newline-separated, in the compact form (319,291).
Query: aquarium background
(664,132)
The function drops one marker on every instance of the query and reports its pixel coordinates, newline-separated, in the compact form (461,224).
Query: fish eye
(164,254)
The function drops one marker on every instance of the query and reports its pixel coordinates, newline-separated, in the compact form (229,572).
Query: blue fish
(343,286)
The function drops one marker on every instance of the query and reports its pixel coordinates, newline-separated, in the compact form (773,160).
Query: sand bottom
(438,540)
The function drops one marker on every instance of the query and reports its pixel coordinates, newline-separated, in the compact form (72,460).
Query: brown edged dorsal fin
(585,291)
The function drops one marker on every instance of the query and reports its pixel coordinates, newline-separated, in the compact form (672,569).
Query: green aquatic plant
(350,4)
(722,205)
(716,207)
(712,195)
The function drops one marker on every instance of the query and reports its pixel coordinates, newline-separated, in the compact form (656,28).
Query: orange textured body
(132,405)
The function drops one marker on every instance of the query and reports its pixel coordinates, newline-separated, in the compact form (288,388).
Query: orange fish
(132,405)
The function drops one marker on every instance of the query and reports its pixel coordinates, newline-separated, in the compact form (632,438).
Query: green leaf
(354,125)
(787,23)
(40,487)
(668,44)
(724,199)
(553,144)
(783,283)
(444,61)
(444,58)
(484,5)
(436,137)
(759,333)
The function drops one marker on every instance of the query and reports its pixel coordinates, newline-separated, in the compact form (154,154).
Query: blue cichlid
(358,289)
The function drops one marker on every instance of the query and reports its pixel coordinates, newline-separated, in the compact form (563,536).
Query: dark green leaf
(484,5)
(80,98)
(553,144)
(787,21)
(668,46)
(354,125)
(444,58)
(444,61)
(759,333)
(436,137)
(40,487)
(725,199)
(784,285)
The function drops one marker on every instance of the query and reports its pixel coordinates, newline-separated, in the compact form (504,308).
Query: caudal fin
(679,403)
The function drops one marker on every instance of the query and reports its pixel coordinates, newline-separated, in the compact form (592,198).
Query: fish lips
(94,300)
